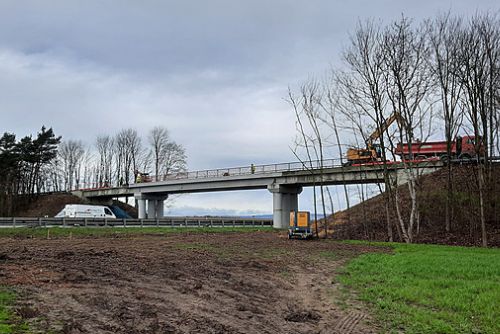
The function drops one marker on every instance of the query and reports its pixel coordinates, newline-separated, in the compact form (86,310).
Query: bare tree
(303,140)
(128,152)
(363,93)
(479,71)
(332,110)
(71,153)
(311,98)
(167,155)
(158,139)
(444,65)
(104,145)
(407,77)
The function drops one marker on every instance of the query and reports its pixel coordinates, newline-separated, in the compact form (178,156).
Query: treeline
(47,163)
(114,160)
(440,76)
(23,165)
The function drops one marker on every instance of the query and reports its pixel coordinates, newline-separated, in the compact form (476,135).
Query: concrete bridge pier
(285,199)
(153,204)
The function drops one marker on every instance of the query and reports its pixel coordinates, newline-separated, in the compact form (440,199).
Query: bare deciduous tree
(405,54)
(363,91)
(127,154)
(167,155)
(444,65)
(104,145)
(71,153)
(479,71)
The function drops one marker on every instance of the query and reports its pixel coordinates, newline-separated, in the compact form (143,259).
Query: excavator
(372,152)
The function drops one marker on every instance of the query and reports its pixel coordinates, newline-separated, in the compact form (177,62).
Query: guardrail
(14,222)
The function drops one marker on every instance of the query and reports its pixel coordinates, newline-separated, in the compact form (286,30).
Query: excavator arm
(372,152)
(396,116)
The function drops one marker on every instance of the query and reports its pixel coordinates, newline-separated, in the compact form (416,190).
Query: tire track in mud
(348,323)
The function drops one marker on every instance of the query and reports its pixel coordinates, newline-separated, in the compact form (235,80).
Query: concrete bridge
(285,181)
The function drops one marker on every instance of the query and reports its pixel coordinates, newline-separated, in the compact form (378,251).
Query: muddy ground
(182,283)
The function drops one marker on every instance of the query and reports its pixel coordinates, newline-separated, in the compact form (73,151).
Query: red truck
(461,148)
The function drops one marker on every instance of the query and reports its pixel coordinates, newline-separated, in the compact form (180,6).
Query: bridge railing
(248,170)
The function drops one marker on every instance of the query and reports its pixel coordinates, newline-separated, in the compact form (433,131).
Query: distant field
(430,289)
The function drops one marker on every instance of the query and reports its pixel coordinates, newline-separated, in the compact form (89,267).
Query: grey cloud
(214,72)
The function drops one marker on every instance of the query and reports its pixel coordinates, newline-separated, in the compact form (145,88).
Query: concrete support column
(285,199)
(159,208)
(154,207)
(151,208)
(277,209)
(141,206)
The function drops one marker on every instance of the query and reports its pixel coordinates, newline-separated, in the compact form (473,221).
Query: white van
(85,211)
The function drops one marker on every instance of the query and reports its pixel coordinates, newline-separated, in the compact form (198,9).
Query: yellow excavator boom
(371,152)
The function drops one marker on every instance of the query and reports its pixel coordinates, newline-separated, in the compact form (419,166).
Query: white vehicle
(85,211)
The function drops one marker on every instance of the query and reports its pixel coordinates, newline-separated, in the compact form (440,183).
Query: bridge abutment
(285,199)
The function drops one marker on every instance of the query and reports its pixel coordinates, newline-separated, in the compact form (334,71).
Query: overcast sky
(215,73)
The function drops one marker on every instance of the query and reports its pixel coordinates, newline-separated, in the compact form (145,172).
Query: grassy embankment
(430,289)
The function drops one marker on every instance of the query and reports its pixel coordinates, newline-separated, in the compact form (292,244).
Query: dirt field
(182,283)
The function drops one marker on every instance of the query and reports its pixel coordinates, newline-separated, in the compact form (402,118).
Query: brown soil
(182,283)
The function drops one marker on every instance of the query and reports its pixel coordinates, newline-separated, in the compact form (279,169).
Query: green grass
(429,288)
(6,299)
(57,232)
(9,322)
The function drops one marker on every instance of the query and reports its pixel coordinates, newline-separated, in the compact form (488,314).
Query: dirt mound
(181,283)
(50,205)
(367,220)
(47,205)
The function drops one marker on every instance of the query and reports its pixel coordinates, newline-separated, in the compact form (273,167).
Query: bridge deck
(330,172)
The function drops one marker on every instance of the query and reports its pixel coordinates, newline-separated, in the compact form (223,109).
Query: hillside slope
(367,220)
(51,204)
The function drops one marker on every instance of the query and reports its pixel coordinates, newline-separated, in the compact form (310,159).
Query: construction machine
(372,152)
(300,225)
